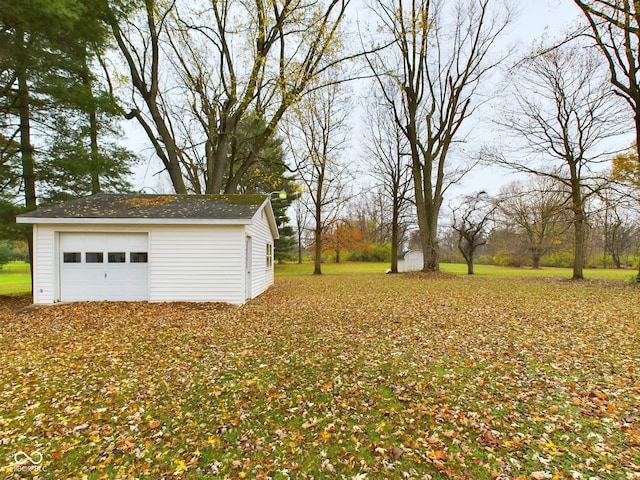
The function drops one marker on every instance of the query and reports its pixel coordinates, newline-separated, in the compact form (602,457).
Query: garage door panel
(119,293)
(80,272)
(126,273)
(107,272)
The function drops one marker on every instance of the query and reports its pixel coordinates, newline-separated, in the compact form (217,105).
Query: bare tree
(616,215)
(317,135)
(387,150)
(200,68)
(615,29)
(302,218)
(141,47)
(536,209)
(564,116)
(371,212)
(620,231)
(471,221)
(430,78)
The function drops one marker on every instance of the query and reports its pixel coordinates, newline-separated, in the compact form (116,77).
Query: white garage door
(104,266)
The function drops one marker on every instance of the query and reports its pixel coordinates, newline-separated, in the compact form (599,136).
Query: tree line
(527,223)
(237,97)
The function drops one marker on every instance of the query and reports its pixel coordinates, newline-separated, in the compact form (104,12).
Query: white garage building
(160,248)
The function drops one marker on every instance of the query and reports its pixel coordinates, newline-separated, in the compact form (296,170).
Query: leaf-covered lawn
(345,376)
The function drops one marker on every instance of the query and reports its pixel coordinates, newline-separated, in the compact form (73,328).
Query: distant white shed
(199,248)
(410,261)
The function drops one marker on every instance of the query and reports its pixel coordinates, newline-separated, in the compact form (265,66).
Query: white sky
(550,17)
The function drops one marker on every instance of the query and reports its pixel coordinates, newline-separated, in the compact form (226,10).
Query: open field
(15,276)
(15,279)
(348,375)
(626,275)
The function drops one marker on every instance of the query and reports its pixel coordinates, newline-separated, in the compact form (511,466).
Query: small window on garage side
(138,257)
(72,257)
(94,257)
(269,255)
(117,257)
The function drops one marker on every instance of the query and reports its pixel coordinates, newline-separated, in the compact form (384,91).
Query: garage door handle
(105,274)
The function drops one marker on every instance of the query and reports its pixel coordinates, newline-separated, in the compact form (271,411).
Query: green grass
(484,271)
(306,268)
(15,279)
(544,272)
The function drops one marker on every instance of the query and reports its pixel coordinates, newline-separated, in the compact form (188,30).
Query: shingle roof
(406,252)
(140,206)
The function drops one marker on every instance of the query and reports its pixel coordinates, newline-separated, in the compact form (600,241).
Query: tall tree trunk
(536,261)
(299,246)
(215,172)
(579,244)
(172,159)
(93,128)
(95,153)
(579,222)
(636,119)
(424,204)
(317,267)
(319,200)
(467,254)
(23,106)
(470,266)
(26,148)
(429,210)
(637,122)
(394,235)
(430,253)
(616,260)
(428,236)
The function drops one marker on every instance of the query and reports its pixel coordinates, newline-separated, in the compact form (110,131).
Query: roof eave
(134,221)
(271,217)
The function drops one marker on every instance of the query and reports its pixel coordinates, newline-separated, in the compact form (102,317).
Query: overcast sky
(551,17)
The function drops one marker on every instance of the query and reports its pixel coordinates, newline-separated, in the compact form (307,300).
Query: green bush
(559,258)
(484,260)
(374,252)
(506,258)
(380,252)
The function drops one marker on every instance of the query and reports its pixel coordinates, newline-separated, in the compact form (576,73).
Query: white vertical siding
(260,232)
(44,264)
(196,263)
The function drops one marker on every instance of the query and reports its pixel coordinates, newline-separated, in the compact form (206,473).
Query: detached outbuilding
(410,261)
(160,248)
